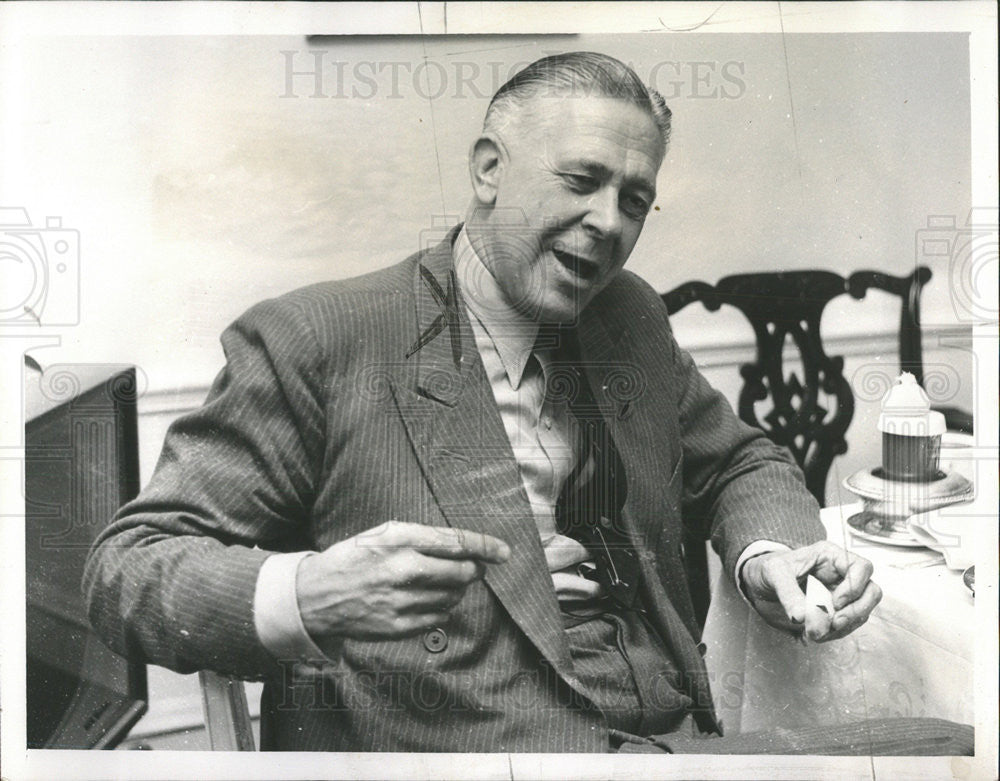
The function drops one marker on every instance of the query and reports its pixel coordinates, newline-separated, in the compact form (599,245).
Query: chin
(563,313)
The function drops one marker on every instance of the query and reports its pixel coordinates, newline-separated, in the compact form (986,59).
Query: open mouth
(581,267)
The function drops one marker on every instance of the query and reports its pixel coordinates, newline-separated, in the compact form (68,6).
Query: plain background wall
(199,186)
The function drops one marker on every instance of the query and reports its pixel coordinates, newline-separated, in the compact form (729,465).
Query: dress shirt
(544,438)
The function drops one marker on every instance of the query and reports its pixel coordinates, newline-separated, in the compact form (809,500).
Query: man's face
(570,201)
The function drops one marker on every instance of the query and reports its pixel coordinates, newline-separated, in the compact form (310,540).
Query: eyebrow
(601,171)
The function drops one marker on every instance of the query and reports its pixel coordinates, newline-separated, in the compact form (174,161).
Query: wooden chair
(808,415)
(227,717)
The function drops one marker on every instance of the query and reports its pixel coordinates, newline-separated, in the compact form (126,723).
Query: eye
(581,183)
(635,206)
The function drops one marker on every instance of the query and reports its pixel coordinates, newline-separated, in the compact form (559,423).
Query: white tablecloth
(912,658)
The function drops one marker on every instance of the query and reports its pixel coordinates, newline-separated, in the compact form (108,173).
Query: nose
(603,218)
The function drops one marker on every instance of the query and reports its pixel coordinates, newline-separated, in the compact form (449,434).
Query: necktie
(589,508)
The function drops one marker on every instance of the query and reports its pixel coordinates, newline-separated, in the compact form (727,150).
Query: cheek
(630,235)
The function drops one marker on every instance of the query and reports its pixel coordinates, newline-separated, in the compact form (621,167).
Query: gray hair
(576,73)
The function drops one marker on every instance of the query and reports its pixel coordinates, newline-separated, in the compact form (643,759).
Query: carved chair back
(809,414)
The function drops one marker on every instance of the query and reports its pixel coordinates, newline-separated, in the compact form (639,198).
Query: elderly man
(440,506)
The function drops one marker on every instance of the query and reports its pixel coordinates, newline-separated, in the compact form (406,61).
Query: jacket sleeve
(739,487)
(171,580)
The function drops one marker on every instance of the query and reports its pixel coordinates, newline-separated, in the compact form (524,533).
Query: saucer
(877,528)
(969,579)
(950,532)
(903,498)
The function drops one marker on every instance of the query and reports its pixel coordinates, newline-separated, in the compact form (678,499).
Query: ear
(486,162)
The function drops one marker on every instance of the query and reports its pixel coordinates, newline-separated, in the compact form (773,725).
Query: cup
(911,433)
(911,457)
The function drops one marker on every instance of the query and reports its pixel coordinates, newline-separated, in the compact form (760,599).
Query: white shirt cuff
(276,614)
(754,549)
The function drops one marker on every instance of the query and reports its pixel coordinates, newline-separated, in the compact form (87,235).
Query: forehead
(606,129)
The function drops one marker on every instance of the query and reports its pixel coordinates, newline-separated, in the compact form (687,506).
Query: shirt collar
(513,335)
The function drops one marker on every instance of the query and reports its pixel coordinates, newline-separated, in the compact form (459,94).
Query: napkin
(949,532)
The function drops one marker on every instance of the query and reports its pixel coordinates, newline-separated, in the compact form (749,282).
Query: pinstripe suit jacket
(320,427)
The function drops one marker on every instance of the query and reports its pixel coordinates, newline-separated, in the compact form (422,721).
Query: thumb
(815,619)
(791,596)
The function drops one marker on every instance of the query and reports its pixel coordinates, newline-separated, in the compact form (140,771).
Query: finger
(439,541)
(856,614)
(818,622)
(443,542)
(407,624)
(830,563)
(855,582)
(432,600)
(786,588)
(843,572)
(444,573)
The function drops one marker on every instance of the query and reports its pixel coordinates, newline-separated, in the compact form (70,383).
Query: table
(914,656)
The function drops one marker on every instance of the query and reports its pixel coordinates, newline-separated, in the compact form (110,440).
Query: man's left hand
(775,585)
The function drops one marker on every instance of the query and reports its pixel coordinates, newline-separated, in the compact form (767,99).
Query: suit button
(702,648)
(435,640)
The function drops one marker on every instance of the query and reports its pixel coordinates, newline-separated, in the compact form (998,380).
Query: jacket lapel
(444,397)
(630,403)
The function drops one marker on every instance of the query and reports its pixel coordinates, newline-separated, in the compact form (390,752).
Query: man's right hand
(395,580)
